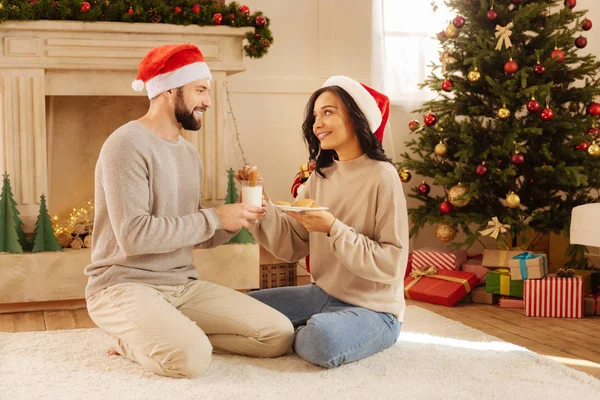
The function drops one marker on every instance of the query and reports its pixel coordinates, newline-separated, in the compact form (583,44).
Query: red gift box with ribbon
(438,286)
(554,297)
(591,303)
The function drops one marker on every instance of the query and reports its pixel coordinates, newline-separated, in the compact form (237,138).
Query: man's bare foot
(112,352)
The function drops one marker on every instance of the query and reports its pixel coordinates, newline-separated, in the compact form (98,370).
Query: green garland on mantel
(178,12)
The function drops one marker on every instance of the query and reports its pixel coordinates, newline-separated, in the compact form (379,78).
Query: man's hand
(314,221)
(235,216)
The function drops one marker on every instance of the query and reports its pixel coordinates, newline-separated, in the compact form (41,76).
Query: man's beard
(186,118)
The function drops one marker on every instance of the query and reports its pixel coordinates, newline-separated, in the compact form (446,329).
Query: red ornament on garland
(430,119)
(442,36)
(414,125)
(557,55)
(481,169)
(447,85)
(260,21)
(511,67)
(492,14)
(533,105)
(539,69)
(580,42)
(177,9)
(583,146)
(593,109)
(196,9)
(445,207)
(85,7)
(547,114)
(424,189)
(586,25)
(571,3)
(517,159)
(244,10)
(130,11)
(458,21)
(217,18)
(593,131)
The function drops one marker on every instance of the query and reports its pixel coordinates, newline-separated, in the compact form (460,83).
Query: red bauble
(195,9)
(424,189)
(447,85)
(571,3)
(547,114)
(458,21)
(481,170)
(445,207)
(594,132)
(583,146)
(511,67)
(517,2)
(85,7)
(177,9)
(593,109)
(533,106)
(430,119)
(217,18)
(441,36)
(414,125)
(539,69)
(244,10)
(492,15)
(557,55)
(130,11)
(586,25)
(517,159)
(260,21)
(580,42)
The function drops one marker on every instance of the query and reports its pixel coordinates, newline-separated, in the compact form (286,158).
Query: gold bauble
(445,232)
(594,150)
(440,149)
(451,31)
(474,75)
(405,176)
(503,113)
(513,200)
(459,196)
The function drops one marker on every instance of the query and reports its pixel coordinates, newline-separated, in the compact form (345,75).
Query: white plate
(300,209)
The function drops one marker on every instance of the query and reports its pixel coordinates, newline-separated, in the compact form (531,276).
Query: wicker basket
(278,275)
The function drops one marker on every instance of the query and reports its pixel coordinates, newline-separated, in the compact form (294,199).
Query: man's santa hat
(168,67)
(375,105)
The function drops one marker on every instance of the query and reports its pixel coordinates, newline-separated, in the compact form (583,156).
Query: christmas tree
(12,237)
(512,133)
(243,236)
(43,235)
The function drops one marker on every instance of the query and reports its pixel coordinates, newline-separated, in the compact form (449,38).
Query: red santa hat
(375,105)
(168,67)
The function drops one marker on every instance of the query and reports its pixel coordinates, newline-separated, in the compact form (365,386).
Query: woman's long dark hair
(368,141)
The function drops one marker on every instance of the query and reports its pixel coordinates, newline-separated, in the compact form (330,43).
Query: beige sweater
(148,211)
(363,260)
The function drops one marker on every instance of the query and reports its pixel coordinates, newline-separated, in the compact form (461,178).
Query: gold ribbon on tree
(431,272)
(503,34)
(495,228)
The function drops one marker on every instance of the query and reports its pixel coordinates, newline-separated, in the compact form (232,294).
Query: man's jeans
(329,331)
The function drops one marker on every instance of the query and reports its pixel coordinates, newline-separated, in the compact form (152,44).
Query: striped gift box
(449,259)
(554,297)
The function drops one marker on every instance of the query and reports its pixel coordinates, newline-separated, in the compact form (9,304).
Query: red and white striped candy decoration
(554,297)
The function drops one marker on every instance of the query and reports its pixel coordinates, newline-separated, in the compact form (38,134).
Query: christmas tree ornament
(458,21)
(481,169)
(245,10)
(130,11)
(445,232)
(217,18)
(405,176)
(557,55)
(414,125)
(539,69)
(503,34)
(491,14)
(451,31)
(547,114)
(441,36)
(571,3)
(511,67)
(494,228)
(85,7)
(430,119)
(440,149)
(260,21)
(154,15)
(533,105)
(195,8)
(586,25)
(458,195)
(447,85)
(424,188)
(474,75)
(445,207)
(517,159)
(177,9)
(513,200)
(593,131)
(580,42)
(583,146)
(593,109)
(504,112)
(594,150)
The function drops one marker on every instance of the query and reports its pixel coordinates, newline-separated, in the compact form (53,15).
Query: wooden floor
(573,342)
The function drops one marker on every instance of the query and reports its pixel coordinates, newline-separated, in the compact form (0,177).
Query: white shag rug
(435,358)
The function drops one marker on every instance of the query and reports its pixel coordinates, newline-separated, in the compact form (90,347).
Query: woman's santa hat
(375,105)
(168,67)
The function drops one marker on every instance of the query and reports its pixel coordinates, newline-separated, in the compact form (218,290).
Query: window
(410,45)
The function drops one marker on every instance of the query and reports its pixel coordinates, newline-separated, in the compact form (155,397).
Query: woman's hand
(314,221)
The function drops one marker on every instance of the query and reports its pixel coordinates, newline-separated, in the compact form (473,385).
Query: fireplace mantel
(70,58)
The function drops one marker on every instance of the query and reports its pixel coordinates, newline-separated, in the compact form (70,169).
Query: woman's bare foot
(112,352)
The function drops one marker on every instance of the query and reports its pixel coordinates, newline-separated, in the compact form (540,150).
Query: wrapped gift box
(408,265)
(441,286)
(511,302)
(591,304)
(499,282)
(448,259)
(476,267)
(586,275)
(527,265)
(498,258)
(480,296)
(554,297)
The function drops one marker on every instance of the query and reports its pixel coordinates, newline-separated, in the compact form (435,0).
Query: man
(142,288)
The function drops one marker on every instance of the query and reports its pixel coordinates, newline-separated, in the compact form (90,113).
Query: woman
(359,247)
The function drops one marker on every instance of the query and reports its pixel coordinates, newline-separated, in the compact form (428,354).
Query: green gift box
(499,282)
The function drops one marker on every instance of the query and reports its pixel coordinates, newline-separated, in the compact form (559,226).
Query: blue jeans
(329,331)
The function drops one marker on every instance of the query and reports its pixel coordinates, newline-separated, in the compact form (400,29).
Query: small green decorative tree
(11,232)
(44,239)
(243,236)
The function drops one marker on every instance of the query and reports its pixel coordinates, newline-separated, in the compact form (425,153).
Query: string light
(79,216)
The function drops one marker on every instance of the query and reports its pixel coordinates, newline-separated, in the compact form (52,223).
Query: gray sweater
(148,211)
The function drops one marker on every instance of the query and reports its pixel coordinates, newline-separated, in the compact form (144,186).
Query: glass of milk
(252,192)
